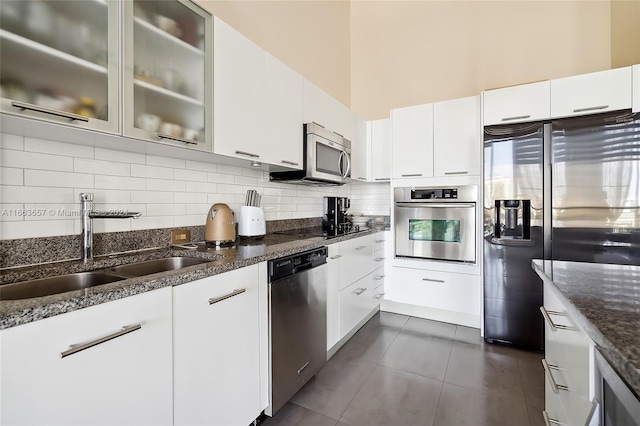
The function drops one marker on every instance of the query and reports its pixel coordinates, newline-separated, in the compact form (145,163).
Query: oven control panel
(434,194)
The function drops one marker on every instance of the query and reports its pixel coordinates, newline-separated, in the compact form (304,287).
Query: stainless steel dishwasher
(298,322)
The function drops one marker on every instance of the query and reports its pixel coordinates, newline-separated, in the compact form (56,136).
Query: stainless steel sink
(155,266)
(54,285)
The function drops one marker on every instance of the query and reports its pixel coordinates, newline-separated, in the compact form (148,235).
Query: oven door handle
(438,205)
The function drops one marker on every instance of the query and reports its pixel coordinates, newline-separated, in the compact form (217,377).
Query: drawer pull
(226,296)
(432,280)
(594,108)
(379,241)
(379,259)
(359,291)
(412,175)
(82,346)
(517,117)
(337,256)
(249,154)
(306,364)
(31,107)
(361,247)
(379,296)
(382,179)
(547,369)
(293,163)
(175,138)
(548,421)
(378,277)
(455,173)
(554,327)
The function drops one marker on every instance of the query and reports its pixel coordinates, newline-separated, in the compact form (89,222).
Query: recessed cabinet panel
(284,141)
(412,141)
(321,108)
(517,104)
(457,141)
(167,63)
(59,62)
(380,140)
(357,259)
(361,152)
(591,93)
(333,291)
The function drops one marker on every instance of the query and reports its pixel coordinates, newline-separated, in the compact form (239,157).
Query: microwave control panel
(434,194)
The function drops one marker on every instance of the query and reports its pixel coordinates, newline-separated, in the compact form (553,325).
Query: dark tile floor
(401,371)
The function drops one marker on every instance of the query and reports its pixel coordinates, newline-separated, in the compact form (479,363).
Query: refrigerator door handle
(512,242)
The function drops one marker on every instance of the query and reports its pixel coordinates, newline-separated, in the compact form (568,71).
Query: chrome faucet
(88,214)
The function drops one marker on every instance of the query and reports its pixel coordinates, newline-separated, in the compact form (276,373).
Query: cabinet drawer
(553,410)
(357,259)
(379,240)
(357,300)
(591,93)
(517,104)
(378,258)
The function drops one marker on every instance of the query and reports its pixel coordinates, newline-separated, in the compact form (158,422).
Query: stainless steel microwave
(327,159)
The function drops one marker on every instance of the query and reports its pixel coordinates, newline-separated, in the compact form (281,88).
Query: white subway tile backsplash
(35,160)
(138,170)
(8,141)
(101,167)
(120,156)
(167,191)
(57,179)
(165,185)
(44,146)
(11,176)
(118,182)
(194,175)
(176,163)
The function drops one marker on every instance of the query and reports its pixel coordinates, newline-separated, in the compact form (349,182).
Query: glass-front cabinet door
(168,72)
(59,61)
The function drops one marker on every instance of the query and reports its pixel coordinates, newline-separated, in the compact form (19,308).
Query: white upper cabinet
(412,141)
(636,88)
(321,108)
(457,138)
(517,104)
(59,62)
(361,152)
(380,142)
(167,72)
(239,94)
(284,115)
(591,93)
(123,376)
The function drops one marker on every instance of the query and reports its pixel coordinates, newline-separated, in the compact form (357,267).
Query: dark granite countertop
(244,253)
(605,301)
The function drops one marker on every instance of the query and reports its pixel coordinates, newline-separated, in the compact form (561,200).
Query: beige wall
(310,36)
(411,52)
(625,33)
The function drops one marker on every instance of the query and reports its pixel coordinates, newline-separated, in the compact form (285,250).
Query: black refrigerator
(566,189)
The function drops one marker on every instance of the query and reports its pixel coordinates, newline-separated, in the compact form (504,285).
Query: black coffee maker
(334,217)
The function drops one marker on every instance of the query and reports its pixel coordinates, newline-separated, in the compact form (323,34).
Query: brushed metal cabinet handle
(379,259)
(293,163)
(548,421)
(306,364)
(547,369)
(594,108)
(73,349)
(517,117)
(247,154)
(175,138)
(432,280)
(379,296)
(378,277)
(226,296)
(412,175)
(456,173)
(554,327)
(382,179)
(337,256)
(31,107)
(379,241)
(359,291)
(361,247)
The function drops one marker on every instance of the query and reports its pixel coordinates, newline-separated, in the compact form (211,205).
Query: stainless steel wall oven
(436,223)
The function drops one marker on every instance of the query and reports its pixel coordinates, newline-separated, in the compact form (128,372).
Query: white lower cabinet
(216,342)
(333,298)
(357,259)
(566,363)
(358,300)
(124,380)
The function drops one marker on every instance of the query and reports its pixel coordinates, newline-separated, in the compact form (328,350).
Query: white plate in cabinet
(357,259)
(591,93)
(216,349)
(636,88)
(124,380)
(517,104)
(412,141)
(457,140)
